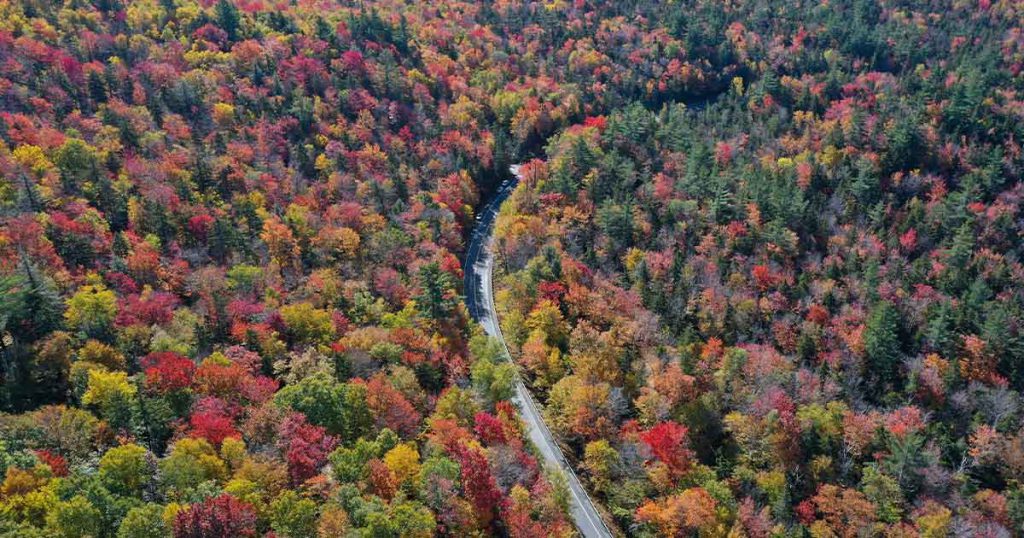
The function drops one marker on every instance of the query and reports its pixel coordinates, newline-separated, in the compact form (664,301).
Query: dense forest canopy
(761,267)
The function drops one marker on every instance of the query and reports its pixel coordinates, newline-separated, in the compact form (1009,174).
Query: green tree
(602,461)
(125,469)
(228,18)
(113,394)
(146,521)
(882,347)
(190,463)
(308,325)
(92,310)
(495,382)
(74,518)
(292,516)
(339,407)
(437,297)
(402,519)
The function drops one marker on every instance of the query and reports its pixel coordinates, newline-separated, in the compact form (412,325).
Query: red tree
(215,518)
(305,446)
(167,371)
(668,443)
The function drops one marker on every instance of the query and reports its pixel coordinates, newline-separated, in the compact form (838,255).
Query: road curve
(478,268)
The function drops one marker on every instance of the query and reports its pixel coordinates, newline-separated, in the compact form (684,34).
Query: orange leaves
(978,362)
(281,243)
(679,515)
(846,511)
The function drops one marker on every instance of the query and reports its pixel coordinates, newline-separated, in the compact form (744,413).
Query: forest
(760,267)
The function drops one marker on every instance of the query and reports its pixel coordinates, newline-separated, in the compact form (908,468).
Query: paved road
(480,300)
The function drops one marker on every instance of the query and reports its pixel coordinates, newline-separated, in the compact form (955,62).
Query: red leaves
(218,517)
(668,443)
(481,488)
(600,122)
(551,291)
(391,409)
(352,60)
(212,421)
(57,464)
(763,277)
(221,380)
(382,480)
(167,371)
(909,240)
(723,153)
(199,226)
(305,446)
(148,308)
(489,429)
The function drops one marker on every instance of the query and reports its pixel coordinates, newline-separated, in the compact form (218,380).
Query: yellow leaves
(32,158)
(340,242)
(27,495)
(737,86)
(308,324)
(92,306)
(804,117)
(556,5)
(403,461)
(200,59)
(322,164)
(21,481)
(191,462)
(99,353)
(281,243)
(223,114)
(232,451)
(462,114)
(547,318)
(632,258)
(773,484)
(934,520)
(108,387)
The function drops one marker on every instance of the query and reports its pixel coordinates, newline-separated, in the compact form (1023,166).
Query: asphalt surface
(478,269)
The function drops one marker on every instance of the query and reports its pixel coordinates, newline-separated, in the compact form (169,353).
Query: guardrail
(529,400)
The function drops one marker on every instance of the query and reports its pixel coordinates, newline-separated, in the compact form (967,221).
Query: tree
(406,519)
(437,297)
(74,518)
(602,461)
(691,510)
(77,162)
(495,382)
(668,442)
(113,394)
(404,462)
(340,408)
(882,346)
(167,372)
(308,325)
(305,446)
(228,18)
(291,516)
(92,310)
(219,516)
(190,463)
(126,469)
(479,483)
(146,521)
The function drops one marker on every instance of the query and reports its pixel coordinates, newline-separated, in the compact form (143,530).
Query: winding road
(478,269)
